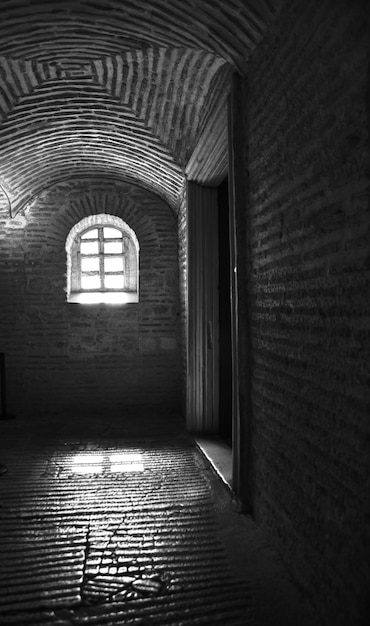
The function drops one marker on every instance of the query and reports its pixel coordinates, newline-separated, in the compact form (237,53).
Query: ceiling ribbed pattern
(166,88)
(209,161)
(118,89)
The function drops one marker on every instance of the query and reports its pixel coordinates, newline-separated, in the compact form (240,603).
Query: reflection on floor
(120,519)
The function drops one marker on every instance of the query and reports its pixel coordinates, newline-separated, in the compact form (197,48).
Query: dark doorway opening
(225,346)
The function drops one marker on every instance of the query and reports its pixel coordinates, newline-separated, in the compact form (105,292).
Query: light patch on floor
(119,462)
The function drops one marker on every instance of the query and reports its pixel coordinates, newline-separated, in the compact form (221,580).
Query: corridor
(121,520)
(184,248)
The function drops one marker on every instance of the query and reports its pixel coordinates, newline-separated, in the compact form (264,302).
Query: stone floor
(122,520)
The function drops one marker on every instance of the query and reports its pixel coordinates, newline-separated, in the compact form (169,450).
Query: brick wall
(183,277)
(306,113)
(63,356)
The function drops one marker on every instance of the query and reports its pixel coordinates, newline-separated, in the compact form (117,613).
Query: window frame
(129,255)
(101,255)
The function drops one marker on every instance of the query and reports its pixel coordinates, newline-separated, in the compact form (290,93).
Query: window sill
(97,297)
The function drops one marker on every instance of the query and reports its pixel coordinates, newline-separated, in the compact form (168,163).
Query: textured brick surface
(113,88)
(308,168)
(118,92)
(183,278)
(229,30)
(61,355)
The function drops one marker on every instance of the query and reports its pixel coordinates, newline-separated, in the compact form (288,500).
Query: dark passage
(225,315)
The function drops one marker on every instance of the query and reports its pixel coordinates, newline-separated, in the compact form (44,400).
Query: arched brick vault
(117,89)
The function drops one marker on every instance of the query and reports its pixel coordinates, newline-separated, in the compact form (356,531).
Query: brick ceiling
(129,90)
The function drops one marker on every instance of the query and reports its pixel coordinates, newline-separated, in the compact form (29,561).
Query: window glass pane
(90,264)
(113,247)
(89,247)
(90,234)
(113,281)
(112,233)
(113,264)
(90,282)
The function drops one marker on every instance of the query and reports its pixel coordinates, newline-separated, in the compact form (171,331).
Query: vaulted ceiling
(129,90)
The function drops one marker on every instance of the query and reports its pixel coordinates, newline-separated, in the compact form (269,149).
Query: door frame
(240,294)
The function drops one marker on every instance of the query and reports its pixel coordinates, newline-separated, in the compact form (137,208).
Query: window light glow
(117,463)
(113,264)
(113,281)
(89,247)
(113,247)
(91,234)
(90,264)
(88,464)
(98,297)
(90,282)
(111,233)
(126,462)
(88,469)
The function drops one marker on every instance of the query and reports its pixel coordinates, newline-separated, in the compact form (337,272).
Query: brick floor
(121,520)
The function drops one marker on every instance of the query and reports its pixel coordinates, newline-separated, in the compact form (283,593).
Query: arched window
(102,261)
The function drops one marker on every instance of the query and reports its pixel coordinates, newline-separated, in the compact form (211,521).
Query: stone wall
(306,104)
(63,356)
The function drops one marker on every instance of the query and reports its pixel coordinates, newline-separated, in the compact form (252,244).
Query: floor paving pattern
(108,527)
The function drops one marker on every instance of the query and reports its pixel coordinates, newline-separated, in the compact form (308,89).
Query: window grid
(103,276)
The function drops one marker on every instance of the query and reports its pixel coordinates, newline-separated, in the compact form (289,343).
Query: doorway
(225,360)
(209,408)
